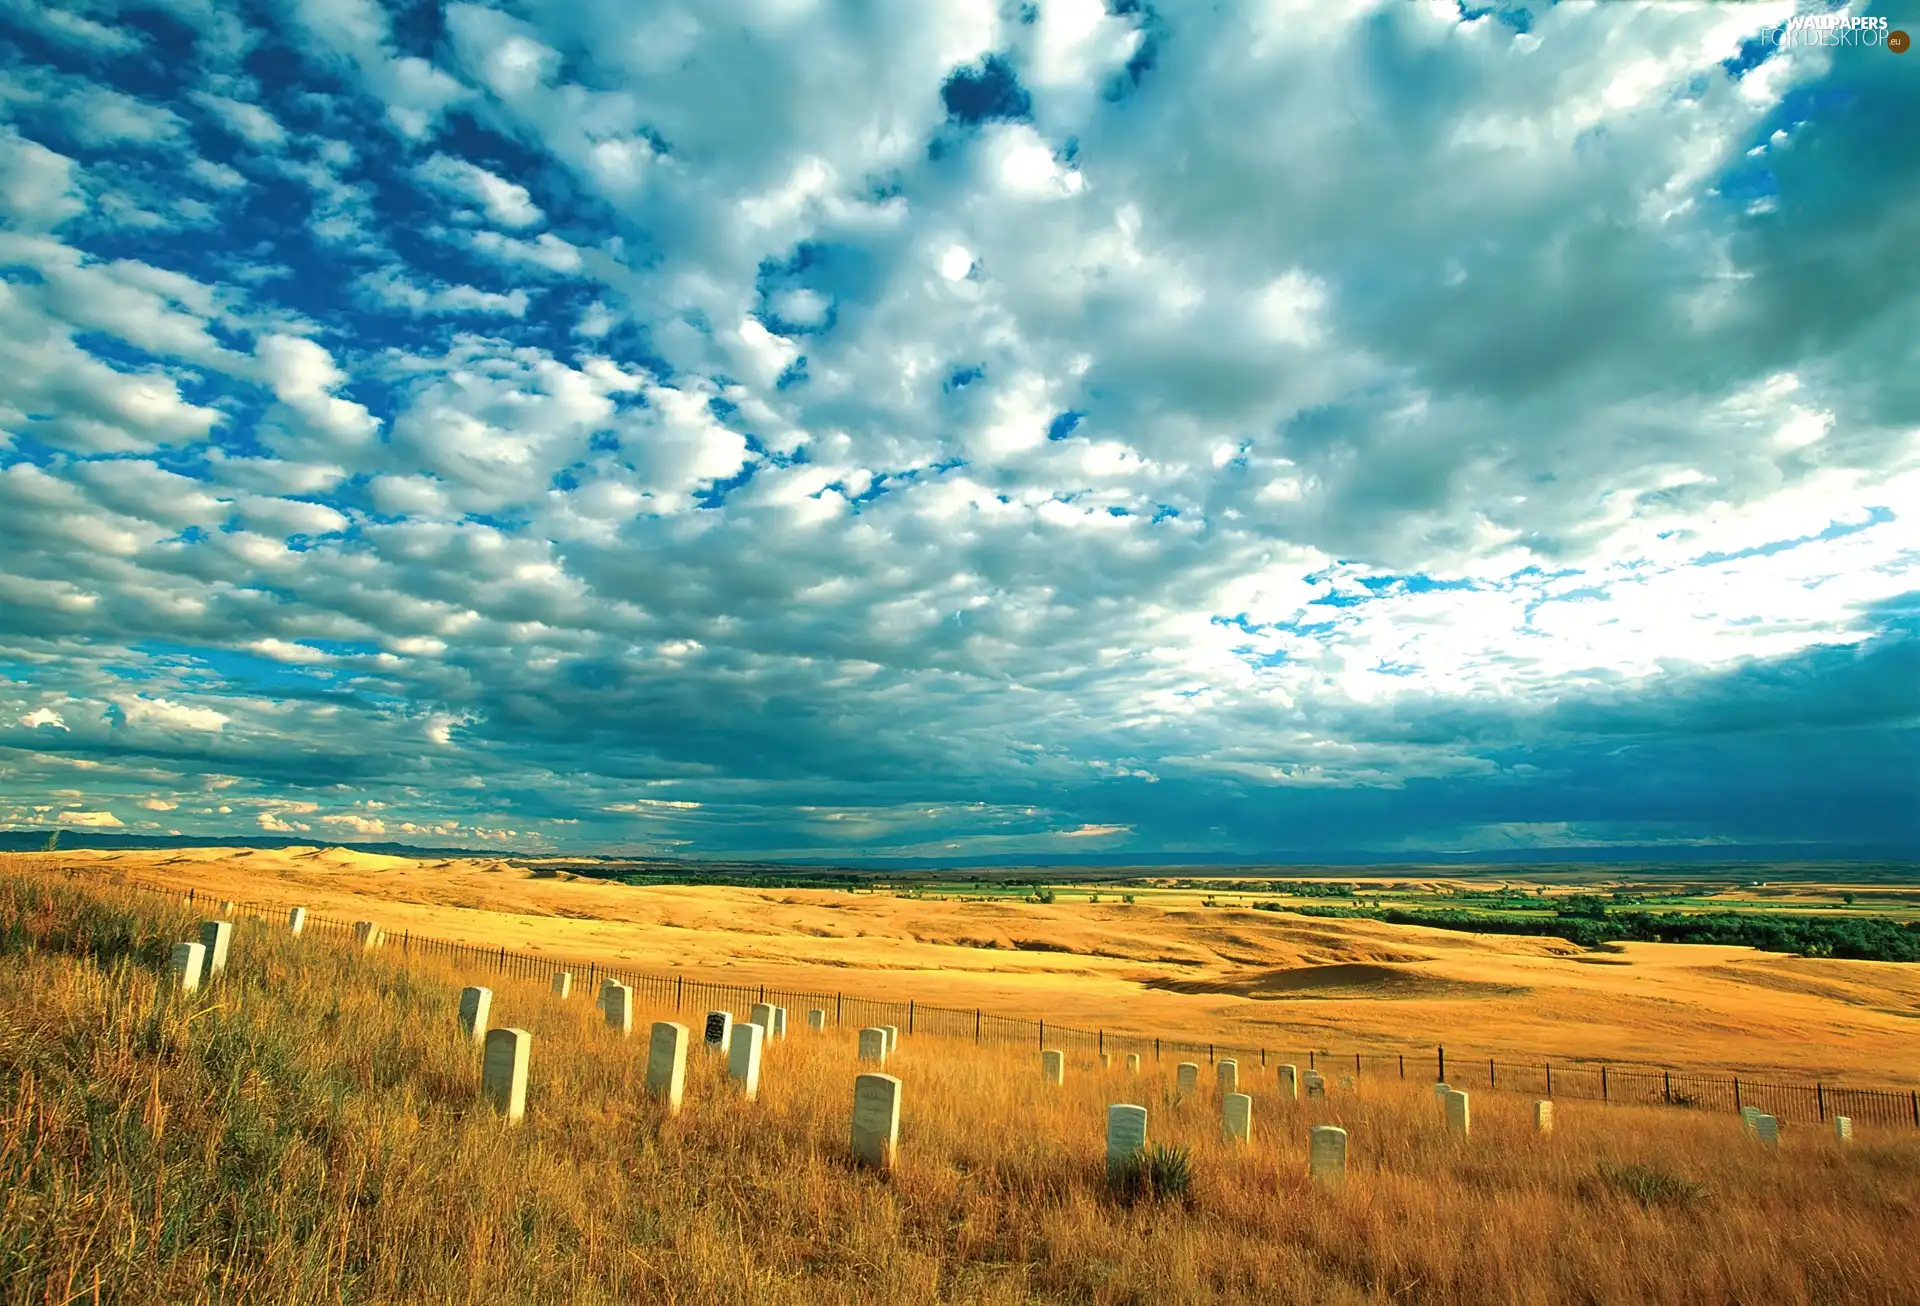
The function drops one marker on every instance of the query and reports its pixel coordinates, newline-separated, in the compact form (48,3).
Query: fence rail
(1631,1085)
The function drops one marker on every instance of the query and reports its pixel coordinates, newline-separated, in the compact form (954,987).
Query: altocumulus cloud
(958,428)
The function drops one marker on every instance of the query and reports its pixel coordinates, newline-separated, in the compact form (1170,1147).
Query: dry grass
(310,1130)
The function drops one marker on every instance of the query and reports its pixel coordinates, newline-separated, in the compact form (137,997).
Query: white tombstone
(667,1064)
(761,1014)
(1543,1117)
(229,908)
(503,1071)
(1459,1117)
(297,921)
(1440,1091)
(743,1058)
(873,1044)
(779,1022)
(816,1019)
(563,984)
(893,1038)
(186,961)
(1126,1136)
(717,1034)
(1133,1063)
(607,985)
(876,1117)
(1316,1084)
(1327,1154)
(1767,1129)
(1053,1066)
(216,937)
(1226,1076)
(1290,1083)
(1106,1061)
(616,1002)
(1843,1128)
(1749,1118)
(367,935)
(1186,1078)
(1236,1117)
(476,1004)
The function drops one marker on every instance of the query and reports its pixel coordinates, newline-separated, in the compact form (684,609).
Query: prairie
(1165,965)
(309,1128)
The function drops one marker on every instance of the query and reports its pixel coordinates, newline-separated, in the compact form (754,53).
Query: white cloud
(505,202)
(97,820)
(166,714)
(396,290)
(248,121)
(43,716)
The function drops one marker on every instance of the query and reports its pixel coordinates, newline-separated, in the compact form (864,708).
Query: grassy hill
(310,1129)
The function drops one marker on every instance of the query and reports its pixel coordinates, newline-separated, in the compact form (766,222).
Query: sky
(957,429)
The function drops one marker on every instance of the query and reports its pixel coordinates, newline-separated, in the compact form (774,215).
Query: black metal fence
(1632,1085)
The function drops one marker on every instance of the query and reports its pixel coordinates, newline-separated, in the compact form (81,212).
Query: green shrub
(1158,1172)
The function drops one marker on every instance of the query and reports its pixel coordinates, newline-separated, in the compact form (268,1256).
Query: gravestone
(667,1064)
(1236,1117)
(563,984)
(1316,1084)
(816,1019)
(186,961)
(1327,1154)
(503,1071)
(216,937)
(607,985)
(1459,1117)
(876,1117)
(1543,1117)
(476,1004)
(1749,1116)
(1843,1128)
(743,1058)
(1053,1066)
(1133,1063)
(1126,1136)
(779,1022)
(717,1034)
(873,1044)
(229,908)
(1767,1129)
(1226,1076)
(1440,1091)
(1346,1083)
(297,921)
(1290,1083)
(1106,1061)
(616,1001)
(367,935)
(893,1038)
(1186,1078)
(761,1014)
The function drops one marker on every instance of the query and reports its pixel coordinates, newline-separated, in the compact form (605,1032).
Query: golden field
(309,1129)
(1238,974)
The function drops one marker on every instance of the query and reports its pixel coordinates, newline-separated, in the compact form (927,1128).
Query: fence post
(406,942)
(593,972)
(1603,1083)
(1310,1057)
(1489,1072)
(1666,1077)
(1043,1036)
(1209,1054)
(1403,1065)
(503,959)
(1156,1057)
(836,1007)
(976,1024)
(1102,1036)
(679,983)
(1736,1093)
(1263,1058)
(1916,1109)
(1356,1065)
(1442,1077)
(1820,1100)
(1549,1079)
(909,1016)
(763,994)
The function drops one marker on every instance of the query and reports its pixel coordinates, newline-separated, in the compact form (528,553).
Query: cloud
(504,202)
(102,820)
(43,716)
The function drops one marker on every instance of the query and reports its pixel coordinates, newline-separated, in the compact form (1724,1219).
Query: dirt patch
(1339,980)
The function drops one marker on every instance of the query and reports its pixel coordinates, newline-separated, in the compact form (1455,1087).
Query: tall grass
(310,1129)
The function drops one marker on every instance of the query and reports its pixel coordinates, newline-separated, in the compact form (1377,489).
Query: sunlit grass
(310,1129)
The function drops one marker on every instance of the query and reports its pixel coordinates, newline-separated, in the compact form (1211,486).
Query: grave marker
(367,935)
(1843,1128)
(1290,1083)
(1236,1117)
(1106,1061)
(1133,1063)
(718,1033)
(893,1038)
(1767,1129)
(616,1001)
(1126,1136)
(216,937)
(297,921)
(563,984)
(1346,1083)
(873,1044)
(1543,1117)
(1327,1154)
(667,1064)
(1316,1084)
(876,1117)
(1749,1116)
(475,1005)
(1459,1117)
(1226,1076)
(1053,1066)
(779,1022)
(743,1058)
(186,961)
(816,1019)
(503,1071)
(1440,1091)
(1186,1078)
(761,1014)
(229,908)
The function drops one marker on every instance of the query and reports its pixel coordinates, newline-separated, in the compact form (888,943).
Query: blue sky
(768,427)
